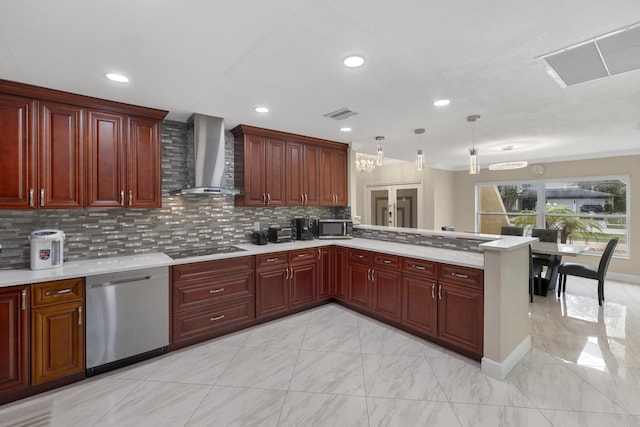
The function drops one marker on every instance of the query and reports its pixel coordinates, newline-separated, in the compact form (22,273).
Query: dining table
(556,251)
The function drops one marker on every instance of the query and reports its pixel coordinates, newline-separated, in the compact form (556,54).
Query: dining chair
(586,271)
(448,228)
(535,273)
(512,231)
(549,235)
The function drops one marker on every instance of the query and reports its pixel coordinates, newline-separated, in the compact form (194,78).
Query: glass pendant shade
(380,156)
(419,159)
(474,166)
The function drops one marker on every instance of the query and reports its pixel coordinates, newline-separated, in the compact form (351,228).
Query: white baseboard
(499,370)
(627,278)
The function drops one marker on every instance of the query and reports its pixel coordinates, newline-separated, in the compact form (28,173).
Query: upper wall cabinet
(66,151)
(281,169)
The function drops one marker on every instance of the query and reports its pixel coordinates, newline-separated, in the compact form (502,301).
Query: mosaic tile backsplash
(454,243)
(182,222)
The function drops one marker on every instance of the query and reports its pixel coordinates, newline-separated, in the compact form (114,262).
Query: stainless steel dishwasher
(127,318)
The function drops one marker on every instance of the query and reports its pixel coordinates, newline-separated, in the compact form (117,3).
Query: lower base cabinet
(325,273)
(461,316)
(14,340)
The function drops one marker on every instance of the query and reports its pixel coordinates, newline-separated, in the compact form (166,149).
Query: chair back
(545,234)
(448,228)
(606,257)
(512,231)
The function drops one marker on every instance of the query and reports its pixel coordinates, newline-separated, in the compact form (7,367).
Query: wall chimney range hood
(206,163)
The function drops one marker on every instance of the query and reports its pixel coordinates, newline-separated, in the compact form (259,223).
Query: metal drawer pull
(433,291)
(302,255)
(386,261)
(439,291)
(213,319)
(462,276)
(272,259)
(215,291)
(61,291)
(80,315)
(418,267)
(360,256)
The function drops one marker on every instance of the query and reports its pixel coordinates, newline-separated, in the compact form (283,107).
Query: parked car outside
(592,208)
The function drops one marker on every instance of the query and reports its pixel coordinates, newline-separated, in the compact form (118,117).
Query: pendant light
(419,154)
(474,166)
(380,156)
(507,164)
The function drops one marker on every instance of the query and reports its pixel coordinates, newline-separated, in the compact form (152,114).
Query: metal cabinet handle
(373,275)
(462,276)
(303,255)
(61,291)
(24,299)
(42,197)
(31,197)
(286,273)
(433,291)
(418,267)
(306,199)
(268,198)
(130,197)
(79,315)
(319,254)
(439,291)
(264,198)
(360,256)
(302,199)
(272,259)
(291,273)
(215,291)
(386,261)
(122,197)
(213,319)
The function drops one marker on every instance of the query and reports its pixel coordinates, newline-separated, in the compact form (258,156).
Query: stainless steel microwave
(335,229)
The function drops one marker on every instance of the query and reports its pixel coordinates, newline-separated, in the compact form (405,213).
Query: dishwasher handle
(120,281)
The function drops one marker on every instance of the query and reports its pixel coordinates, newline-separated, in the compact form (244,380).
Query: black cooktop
(214,250)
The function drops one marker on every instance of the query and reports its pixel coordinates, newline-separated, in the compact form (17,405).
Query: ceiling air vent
(602,56)
(341,114)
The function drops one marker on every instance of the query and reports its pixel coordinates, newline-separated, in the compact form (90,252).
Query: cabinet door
(325,273)
(275,168)
(461,316)
(295,169)
(17,152)
(340,280)
(339,175)
(359,285)
(144,180)
(57,336)
(14,339)
(326,182)
(311,175)
(272,291)
(60,156)
(419,304)
(304,284)
(105,161)
(387,293)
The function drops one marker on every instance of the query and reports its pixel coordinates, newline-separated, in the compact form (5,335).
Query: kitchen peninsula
(496,272)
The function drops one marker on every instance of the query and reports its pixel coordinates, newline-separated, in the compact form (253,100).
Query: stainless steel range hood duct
(208,157)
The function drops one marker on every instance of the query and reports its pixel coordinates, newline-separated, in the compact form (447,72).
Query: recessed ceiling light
(441,102)
(261,110)
(117,77)
(345,129)
(353,61)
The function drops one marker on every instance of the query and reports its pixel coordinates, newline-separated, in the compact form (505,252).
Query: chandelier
(365,164)
(508,165)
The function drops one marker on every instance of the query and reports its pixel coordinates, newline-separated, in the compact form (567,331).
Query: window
(586,211)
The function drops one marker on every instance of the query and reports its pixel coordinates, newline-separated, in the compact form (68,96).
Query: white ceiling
(224,57)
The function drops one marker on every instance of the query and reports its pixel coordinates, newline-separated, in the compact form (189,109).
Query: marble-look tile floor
(333,367)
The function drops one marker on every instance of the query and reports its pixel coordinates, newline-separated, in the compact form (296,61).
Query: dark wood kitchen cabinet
(419,295)
(325,272)
(277,168)
(333,180)
(14,340)
(358,278)
(66,151)
(57,330)
(210,298)
(340,276)
(303,277)
(42,162)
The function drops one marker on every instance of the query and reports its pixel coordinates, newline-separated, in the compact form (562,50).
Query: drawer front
(207,320)
(212,290)
(272,259)
(56,292)
(464,276)
(387,261)
(420,267)
(206,269)
(361,257)
(304,255)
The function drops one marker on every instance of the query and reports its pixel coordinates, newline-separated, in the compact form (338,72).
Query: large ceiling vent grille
(341,114)
(613,53)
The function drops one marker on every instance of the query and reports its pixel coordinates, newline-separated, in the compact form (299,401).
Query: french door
(395,205)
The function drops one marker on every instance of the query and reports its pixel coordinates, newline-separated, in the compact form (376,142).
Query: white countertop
(92,267)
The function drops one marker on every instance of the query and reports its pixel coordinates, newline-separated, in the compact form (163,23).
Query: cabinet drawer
(465,276)
(384,260)
(206,269)
(361,257)
(56,292)
(208,320)
(420,267)
(212,290)
(304,255)
(272,259)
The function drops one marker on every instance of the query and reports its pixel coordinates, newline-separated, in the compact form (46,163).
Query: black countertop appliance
(303,229)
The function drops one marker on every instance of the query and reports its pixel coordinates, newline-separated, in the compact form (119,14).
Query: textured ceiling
(224,57)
